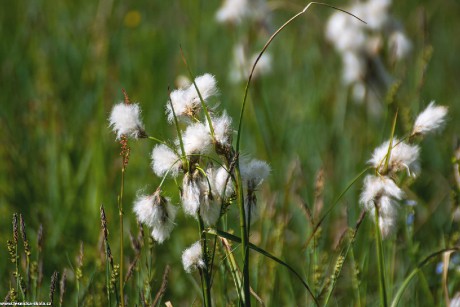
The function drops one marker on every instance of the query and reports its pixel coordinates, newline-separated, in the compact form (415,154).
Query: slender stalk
(415,271)
(204,273)
(244,236)
(381,267)
(265,48)
(120,213)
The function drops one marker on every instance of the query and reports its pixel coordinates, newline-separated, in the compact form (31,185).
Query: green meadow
(63,65)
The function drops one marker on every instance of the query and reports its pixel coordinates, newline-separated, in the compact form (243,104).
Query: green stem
(120,213)
(246,90)
(381,267)
(244,236)
(415,271)
(205,272)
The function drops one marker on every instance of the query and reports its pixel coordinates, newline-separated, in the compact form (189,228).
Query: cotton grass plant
(206,181)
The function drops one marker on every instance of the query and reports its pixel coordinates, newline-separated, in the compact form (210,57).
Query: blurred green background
(63,65)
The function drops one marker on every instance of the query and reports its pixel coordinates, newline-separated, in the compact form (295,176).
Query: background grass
(62,67)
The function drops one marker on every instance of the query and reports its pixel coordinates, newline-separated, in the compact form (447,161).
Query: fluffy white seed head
(222,183)
(387,225)
(182,107)
(402,157)
(354,67)
(156,212)
(222,129)
(382,192)
(186,101)
(263,67)
(430,120)
(148,209)
(162,230)
(164,159)
(191,194)
(399,44)
(192,258)
(377,14)
(455,301)
(209,208)
(235,11)
(196,139)
(254,173)
(242,66)
(125,120)
(345,33)
(207,85)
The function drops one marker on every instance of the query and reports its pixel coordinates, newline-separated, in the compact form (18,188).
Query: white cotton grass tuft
(222,183)
(161,231)
(164,160)
(156,212)
(254,172)
(455,301)
(125,119)
(222,129)
(233,11)
(383,192)
(206,84)
(378,187)
(430,120)
(196,139)
(209,209)
(236,11)
(191,194)
(242,66)
(399,44)
(186,101)
(403,156)
(354,68)
(192,258)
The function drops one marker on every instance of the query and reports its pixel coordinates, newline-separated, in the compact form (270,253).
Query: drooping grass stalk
(380,260)
(204,272)
(265,48)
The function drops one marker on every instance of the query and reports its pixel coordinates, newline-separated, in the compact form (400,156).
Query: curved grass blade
(266,254)
(265,48)
(414,272)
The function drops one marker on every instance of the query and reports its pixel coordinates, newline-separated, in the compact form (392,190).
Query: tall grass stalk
(205,272)
(380,260)
(240,196)
(120,213)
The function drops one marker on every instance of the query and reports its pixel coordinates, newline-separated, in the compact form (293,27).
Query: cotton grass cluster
(380,191)
(201,158)
(361,45)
